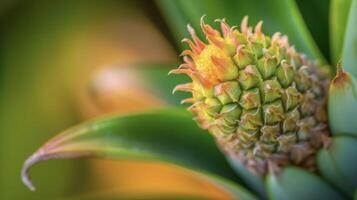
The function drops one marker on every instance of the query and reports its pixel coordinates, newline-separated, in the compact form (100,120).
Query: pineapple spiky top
(263,101)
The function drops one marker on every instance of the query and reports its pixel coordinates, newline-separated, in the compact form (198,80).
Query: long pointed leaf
(278,16)
(167,135)
(316,17)
(254,182)
(176,19)
(349,54)
(339,10)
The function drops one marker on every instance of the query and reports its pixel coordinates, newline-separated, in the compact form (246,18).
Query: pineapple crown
(263,101)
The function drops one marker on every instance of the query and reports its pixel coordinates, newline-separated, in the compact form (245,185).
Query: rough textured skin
(264,102)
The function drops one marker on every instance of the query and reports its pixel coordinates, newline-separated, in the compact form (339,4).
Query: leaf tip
(341,77)
(25,172)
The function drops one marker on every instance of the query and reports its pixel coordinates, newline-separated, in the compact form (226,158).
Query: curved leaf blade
(294,183)
(338,163)
(234,189)
(165,135)
(349,54)
(278,16)
(255,183)
(316,18)
(177,22)
(339,10)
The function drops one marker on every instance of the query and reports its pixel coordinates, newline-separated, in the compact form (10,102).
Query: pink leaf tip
(25,175)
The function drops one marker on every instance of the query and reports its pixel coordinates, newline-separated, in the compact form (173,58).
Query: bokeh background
(63,62)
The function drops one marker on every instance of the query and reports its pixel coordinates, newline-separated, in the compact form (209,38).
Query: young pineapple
(264,102)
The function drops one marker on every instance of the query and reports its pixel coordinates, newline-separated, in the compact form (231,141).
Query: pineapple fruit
(264,102)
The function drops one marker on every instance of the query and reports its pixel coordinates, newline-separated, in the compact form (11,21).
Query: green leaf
(295,184)
(349,54)
(342,104)
(255,183)
(166,135)
(234,189)
(316,17)
(339,10)
(176,20)
(278,16)
(338,163)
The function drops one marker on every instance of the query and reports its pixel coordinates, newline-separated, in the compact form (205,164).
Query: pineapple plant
(283,121)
